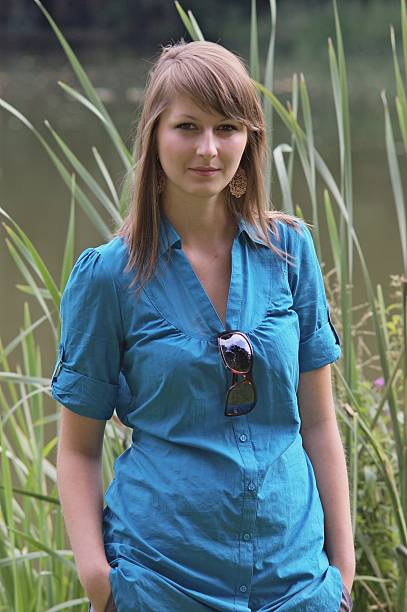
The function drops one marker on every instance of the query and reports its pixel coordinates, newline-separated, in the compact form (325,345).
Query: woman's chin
(196,191)
(202,191)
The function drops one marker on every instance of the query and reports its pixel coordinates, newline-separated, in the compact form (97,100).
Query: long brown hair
(217,80)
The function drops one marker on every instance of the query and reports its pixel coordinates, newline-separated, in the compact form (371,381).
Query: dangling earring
(238,184)
(160,180)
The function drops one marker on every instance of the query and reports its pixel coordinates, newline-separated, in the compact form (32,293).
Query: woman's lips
(207,172)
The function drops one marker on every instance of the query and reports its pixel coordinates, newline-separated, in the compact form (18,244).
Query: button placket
(235,297)
(249,509)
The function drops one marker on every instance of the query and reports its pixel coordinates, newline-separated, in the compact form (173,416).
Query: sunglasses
(237,355)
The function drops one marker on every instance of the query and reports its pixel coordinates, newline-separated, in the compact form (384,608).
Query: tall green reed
(36,567)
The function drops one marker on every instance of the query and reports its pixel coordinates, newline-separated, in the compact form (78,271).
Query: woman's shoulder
(113,253)
(103,262)
(286,230)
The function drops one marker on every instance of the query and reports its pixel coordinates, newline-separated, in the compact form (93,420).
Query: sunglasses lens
(236,352)
(240,398)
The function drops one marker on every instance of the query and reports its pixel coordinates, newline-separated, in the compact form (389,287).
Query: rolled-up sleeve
(86,373)
(319,340)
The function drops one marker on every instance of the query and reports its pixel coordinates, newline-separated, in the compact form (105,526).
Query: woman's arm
(323,445)
(79,477)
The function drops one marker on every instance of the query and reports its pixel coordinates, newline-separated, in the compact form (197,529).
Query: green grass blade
(86,176)
(187,22)
(28,277)
(21,402)
(106,175)
(86,205)
(40,546)
(68,605)
(267,106)
(288,205)
(287,117)
(343,122)
(254,44)
(18,339)
(84,101)
(404,31)
(125,193)
(197,29)
(333,233)
(396,182)
(28,291)
(7,499)
(31,556)
(336,89)
(294,111)
(88,88)
(397,73)
(34,495)
(362,540)
(68,258)
(33,257)
(402,117)
(14,377)
(310,177)
(344,119)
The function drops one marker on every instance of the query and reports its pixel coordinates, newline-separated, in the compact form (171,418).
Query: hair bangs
(212,89)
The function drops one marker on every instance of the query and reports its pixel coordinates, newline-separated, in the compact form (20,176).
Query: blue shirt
(204,511)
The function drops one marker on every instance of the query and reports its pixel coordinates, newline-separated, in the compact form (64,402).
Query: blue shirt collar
(169,237)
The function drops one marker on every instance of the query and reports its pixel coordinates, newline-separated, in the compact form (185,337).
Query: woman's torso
(206,510)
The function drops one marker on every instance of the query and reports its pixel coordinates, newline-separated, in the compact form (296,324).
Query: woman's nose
(207,144)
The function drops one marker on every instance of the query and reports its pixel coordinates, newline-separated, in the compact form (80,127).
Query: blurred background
(116,42)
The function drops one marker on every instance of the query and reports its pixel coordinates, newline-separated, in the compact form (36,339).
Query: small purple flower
(378,382)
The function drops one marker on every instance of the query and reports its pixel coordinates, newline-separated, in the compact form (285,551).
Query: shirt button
(251,486)
(246,536)
(243,588)
(242,437)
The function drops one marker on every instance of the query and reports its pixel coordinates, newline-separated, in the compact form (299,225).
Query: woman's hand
(98,588)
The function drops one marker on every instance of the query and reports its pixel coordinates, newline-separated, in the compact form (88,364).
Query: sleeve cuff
(83,395)
(321,348)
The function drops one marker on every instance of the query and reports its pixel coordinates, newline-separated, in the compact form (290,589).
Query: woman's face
(199,151)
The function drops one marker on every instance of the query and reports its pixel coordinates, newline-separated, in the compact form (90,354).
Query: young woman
(205,324)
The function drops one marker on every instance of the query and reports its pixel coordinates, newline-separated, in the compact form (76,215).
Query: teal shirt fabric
(205,512)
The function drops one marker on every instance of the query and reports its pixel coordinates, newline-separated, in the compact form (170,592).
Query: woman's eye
(226,127)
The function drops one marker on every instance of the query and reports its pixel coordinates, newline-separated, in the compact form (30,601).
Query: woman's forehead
(183,105)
